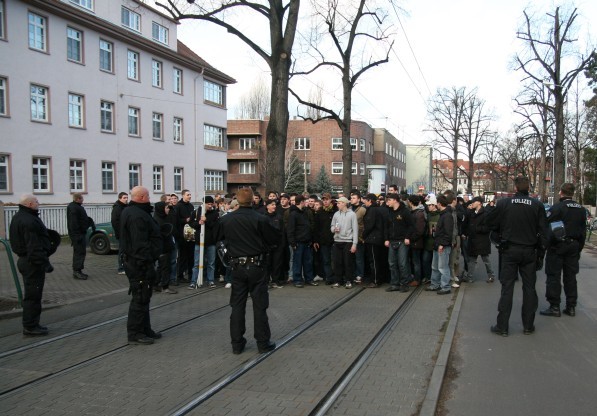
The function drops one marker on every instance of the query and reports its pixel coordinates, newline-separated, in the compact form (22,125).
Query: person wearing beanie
(208,217)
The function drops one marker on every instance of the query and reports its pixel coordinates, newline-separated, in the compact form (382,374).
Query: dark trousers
(34,277)
(343,262)
(416,255)
(426,260)
(79,252)
(562,261)
(302,263)
(249,279)
(374,257)
(275,266)
(186,258)
(141,277)
(164,270)
(325,254)
(515,260)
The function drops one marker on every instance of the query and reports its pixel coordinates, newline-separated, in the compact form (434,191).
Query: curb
(430,402)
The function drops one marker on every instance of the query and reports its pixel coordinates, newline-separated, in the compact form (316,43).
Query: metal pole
(201,246)
(305,166)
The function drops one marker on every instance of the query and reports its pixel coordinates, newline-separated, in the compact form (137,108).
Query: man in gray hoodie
(346,237)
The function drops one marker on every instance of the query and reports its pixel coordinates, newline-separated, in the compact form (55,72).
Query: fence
(54,216)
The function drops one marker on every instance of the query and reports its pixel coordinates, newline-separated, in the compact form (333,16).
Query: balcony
(242,178)
(236,154)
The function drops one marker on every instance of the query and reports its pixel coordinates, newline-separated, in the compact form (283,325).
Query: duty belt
(241,261)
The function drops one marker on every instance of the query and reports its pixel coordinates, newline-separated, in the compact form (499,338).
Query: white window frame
(74,45)
(159,33)
(106,115)
(76,110)
(108,176)
(134,175)
(42,174)
(302,143)
(134,117)
(213,136)
(247,168)
(247,143)
(362,144)
(3,95)
(354,168)
(337,168)
(157,126)
(178,179)
(5,171)
(213,92)
(178,130)
(213,180)
(354,144)
(40,101)
(156,73)
(106,55)
(177,80)
(362,169)
(132,65)
(86,4)
(336,143)
(130,19)
(158,178)
(38,32)
(76,175)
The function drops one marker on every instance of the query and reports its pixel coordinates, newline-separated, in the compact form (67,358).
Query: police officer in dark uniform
(142,246)
(520,221)
(29,239)
(564,250)
(78,222)
(249,236)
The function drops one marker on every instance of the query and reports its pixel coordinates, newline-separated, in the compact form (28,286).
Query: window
(41,174)
(246,143)
(130,19)
(159,33)
(362,145)
(246,168)
(77,175)
(108,177)
(214,180)
(39,103)
(134,121)
(178,179)
(107,116)
(3,95)
(353,144)
(37,32)
(74,45)
(132,66)
(4,172)
(2,22)
(337,143)
(158,179)
(307,167)
(157,126)
(105,55)
(177,80)
(336,168)
(362,169)
(213,136)
(134,175)
(88,4)
(177,127)
(213,92)
(75,110)
(302,143)
(354,168)
(156,73)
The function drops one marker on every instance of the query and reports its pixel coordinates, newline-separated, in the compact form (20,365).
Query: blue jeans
(359,269)
(440,269)
(302,264)
(209,260)
(417,256)
(398,262)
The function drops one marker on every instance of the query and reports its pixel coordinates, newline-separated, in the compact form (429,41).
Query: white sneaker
(221,279)
(455,284)
(358,278)
(228,285)
(348,285)
(318,279)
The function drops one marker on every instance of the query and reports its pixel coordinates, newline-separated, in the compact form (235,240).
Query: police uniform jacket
(29,236)
(298,229)
(183,210)
(247,233)
(139,233)
(373,224)
(476,230)
(77,220)
(323,221)
(115,217)
(400,224)
(574,217)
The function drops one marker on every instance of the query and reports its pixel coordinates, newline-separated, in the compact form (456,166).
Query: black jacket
(298,229)
(139,233)
(322,220)
(77,220)
(477,232)
(277,221)
(400,224)
(574,217)
(116,213)
(29,236)
(161,218)
(444,229)
(211,220)
(182,210)
(374,220)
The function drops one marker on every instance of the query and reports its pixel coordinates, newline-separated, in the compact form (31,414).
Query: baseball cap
(432,200)
(343,199)
(326,195)
(477,199)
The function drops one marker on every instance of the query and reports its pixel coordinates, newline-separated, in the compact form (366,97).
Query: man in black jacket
(563,252)
(277,276)
(78,222)
(183,211)
(300,238)
(323,239)
(398,232)
(163,218)
(140,236)
(30,241)
(442,246)
(475,233)
(374,222)
(207,216)
(117,208)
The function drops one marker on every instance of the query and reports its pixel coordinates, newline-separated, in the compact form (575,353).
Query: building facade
(100,96)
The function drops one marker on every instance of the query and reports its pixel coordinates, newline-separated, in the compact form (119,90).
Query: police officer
(142,246)
(78,222)
(29,239)
(249,236)
(563,252)
(520,221)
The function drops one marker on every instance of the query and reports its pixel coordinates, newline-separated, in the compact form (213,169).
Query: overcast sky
(468,43)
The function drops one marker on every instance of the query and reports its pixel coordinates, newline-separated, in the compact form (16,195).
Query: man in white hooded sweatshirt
(346,237)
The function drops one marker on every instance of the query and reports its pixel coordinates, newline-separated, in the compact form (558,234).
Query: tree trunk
(345,126)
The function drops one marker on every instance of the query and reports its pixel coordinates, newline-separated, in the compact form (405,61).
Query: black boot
(570,311)
(551,311)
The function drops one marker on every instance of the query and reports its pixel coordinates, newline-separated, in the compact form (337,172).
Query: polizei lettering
(521,201)
(574,205)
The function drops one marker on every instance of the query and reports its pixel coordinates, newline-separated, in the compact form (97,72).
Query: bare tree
(281,17)
(315,97)
(255,104)
(354,29)
(544,62)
